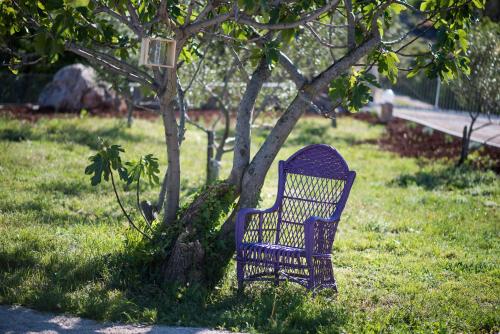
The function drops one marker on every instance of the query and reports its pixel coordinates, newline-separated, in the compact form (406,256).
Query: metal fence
(22,88)
(428,94)
(416,93)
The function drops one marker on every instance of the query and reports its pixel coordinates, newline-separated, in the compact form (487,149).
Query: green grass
(417,249)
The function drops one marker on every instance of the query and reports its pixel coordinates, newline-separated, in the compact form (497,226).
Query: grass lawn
(417,250)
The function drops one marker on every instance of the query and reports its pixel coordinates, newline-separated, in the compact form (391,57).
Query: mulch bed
(28,113)
(409,139)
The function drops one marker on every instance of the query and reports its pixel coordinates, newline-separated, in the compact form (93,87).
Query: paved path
(16,320)
(453,124)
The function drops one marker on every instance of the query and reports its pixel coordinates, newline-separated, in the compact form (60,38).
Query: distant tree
(479,88)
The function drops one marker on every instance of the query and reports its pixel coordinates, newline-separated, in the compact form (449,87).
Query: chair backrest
(315,181)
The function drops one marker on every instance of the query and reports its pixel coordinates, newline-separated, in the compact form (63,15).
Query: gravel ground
(15,320)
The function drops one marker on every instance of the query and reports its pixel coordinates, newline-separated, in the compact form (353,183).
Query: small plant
(107,161)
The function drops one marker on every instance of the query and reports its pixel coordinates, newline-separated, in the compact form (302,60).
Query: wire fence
(416,93)
(22,88)
(428,94)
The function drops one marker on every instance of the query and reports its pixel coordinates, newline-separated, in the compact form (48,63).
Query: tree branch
(113,64)
(321,41)
(323,79)
(189,13)
(241,155)
(292,70)
(351,25)
(135,19)
(197,26)
(121,18)
(245,19)
(240,65)
(204,12)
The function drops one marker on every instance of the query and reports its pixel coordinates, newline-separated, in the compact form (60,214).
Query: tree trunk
(254,175)
(189,260)
(130,110)
(172,184)
(334,121)
(241,156)
(212,164)
(466,137)
(465,147)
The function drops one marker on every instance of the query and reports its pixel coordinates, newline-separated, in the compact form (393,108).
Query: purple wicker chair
(293,239)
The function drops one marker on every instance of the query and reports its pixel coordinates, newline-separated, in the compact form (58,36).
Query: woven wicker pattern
(293,239)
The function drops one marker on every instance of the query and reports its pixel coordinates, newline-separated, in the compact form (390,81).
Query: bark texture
(188,260)
(172,181)
(212,164)
(242,143)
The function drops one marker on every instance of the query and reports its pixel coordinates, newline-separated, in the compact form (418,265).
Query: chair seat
(271,254)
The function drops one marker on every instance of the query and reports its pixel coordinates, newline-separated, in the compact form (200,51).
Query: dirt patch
(409,139)
(31,113)
(363,116)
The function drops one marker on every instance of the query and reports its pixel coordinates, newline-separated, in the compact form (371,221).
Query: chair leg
(334,283)
(276,275)
(239,275)
(311,285)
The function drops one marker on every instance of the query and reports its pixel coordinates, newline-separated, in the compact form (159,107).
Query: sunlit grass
(417,249)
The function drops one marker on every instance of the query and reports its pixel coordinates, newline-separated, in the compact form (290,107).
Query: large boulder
(75,87)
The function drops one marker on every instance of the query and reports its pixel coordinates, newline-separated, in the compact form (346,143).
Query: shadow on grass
(67,133)
(324,135)
(17,133)
(69,187)
(125,286)
(448,178)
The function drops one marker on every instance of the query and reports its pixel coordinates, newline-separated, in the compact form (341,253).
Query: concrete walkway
(16,320)
(453,124)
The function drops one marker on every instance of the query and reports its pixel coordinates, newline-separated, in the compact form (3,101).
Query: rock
(75,87)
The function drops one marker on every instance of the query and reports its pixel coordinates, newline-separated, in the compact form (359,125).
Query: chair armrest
(241,219)
(319,234)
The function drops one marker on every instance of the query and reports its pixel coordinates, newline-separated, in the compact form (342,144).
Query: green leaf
(425,5)
(478,3)
(14,71)
(413,73)
(123,173)
(77,3)
(387,65)
(96,168)
(380,26)
(361,94)
(371,79)
(186,55)
(13,29)
(287,35)
(338,88)
(397,8)
(54,4)
(462,39)
(40,43)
